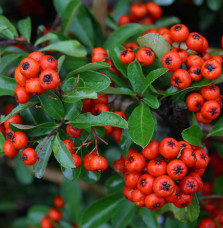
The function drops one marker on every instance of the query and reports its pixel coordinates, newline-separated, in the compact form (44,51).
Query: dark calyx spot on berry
(213,87)
(156,205)
(131,159)
(158,162)
(184,204)
(47,78)
(196,36)
(210,67)
(179,50)
(203,156)
(183,146)
(213,111)
(24,158)
(12,139)
(178,170)
(171,143)
(97,112)
(148,52)
(194,155)
(200,54)
(25,66)
(142,182)
(198,105)
(197,71)
(168,60)
(177,81)
(165,186)
(191,185)
(125,52)
(178,27)
(50,59)
(99,171)
(9,135)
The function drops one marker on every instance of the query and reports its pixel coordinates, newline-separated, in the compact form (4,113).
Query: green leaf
(69,47)
(72,195)
(125,143)
(151,99)
(10,32)
(68,15)
(2,140)
(19,108)
(122,34)
(114,184)
(7,61)
(149,217)
(62,154)
(78,94)
(136,77)
(217,129)
(198,2)
(114,53)
(72,110)
(69,83)
(25,28)
(120,8)
(141,125)
(20,222)
(124,214)
(95,80)
(71,174)
(214,4)
(187,214)
(22,171)
(7,206)
(104,119)
(110,22)
(90,66)
(44,155)
(60,5)
(100,211)
(52,105)
(89,176)
(218,185)
(36,213)
(119,91)
(173,223)
(35,131)
(157,43)
(167,21)
(193,135)
(60,62)
(50,36)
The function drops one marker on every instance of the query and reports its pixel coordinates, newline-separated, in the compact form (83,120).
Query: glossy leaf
(214,4)
(7,61)
(72,195)
(124,214)
(70,47)
(125,143)
(90,66)
(18,109)
(71,174)
(217,129)
(52,105)
(149,217)
(114,53)
(119,91)
(62,154)
(164,2)
(104,119)
(193,135)
(2,140)
(126,32)
(95,80)
(72,110)
(70,83)
(36,213)
(44,155)
(89,176)
(78,94)
(141,125)
(35,131)
(60,62)
(157,43)
(114,184)
(187,214)
(151,99)
(167,21)
(49,37)
(10,32)
(100,211)
(22,171)
(136,77)
(25,28)
(60,5)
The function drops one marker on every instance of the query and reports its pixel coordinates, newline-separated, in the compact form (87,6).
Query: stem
(48,137)
(78,79)
(102,140)
(7,42)
(84,143)
(96,140)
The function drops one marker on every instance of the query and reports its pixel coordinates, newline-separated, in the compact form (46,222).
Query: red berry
(29,156)
(73,132)
(154,202)
(176,169)
(9,149)
(157,167)
(77,160)
(58,202)
(169,148)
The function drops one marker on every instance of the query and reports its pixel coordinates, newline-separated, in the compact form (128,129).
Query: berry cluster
(145,14)
(207,104)
(54,214)
(145,56)
(165,172)
(35,74)
(16,141)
